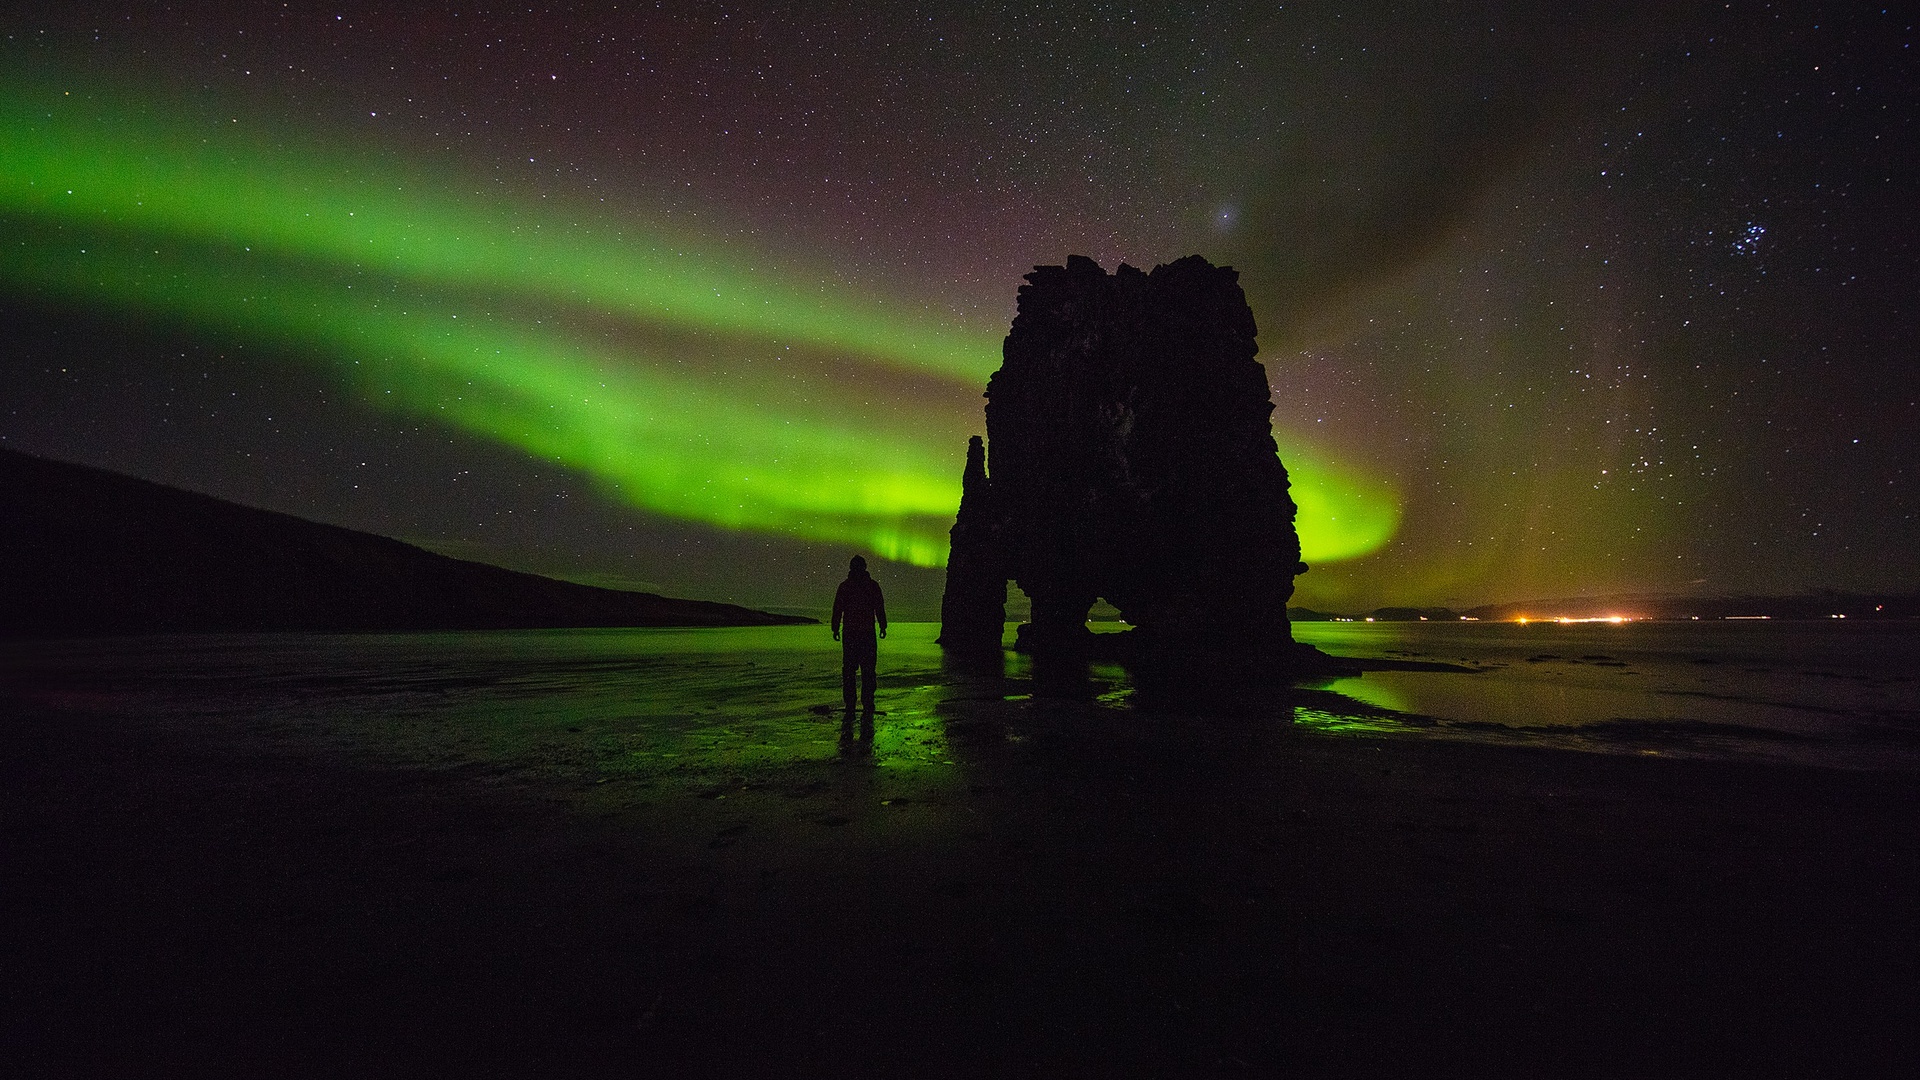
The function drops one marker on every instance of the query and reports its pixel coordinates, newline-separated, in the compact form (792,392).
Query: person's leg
(849,658)
(869,655)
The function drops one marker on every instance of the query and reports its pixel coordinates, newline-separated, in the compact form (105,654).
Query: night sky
(700,298)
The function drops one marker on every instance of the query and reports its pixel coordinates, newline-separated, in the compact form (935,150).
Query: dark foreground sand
(1071,896)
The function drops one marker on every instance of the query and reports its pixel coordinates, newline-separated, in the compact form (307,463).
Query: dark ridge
(1413,614)
(1819,604)
(87,552)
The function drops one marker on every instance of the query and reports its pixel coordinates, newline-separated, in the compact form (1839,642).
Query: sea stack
(1129,457)
(973,610)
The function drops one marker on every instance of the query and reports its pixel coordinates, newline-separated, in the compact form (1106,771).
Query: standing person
(857,607)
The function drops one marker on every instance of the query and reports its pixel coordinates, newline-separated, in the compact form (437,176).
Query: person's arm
(880,608)
(839,605)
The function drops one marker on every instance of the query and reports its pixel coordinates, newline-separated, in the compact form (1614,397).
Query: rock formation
(1132,459)
(973,610)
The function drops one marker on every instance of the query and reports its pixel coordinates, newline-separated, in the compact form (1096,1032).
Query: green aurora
(700,387)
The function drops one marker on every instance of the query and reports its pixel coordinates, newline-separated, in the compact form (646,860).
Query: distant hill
(1385,614)
(1813,605)
(1412,614)
(84,551)
(1304,614)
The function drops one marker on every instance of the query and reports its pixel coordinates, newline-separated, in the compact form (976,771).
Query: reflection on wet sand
(596,706)
(1838,695)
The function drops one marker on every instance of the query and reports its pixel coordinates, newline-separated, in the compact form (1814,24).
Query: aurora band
(685,384)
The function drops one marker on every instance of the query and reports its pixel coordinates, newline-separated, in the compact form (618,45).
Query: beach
(649,853)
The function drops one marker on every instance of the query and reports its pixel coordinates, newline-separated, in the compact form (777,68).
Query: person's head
(857,564)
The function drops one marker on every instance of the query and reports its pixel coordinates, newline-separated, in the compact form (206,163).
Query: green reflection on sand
(1370,692)
(1332,723)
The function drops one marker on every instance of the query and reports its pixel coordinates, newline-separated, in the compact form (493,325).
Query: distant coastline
(1647,607)
(87,552)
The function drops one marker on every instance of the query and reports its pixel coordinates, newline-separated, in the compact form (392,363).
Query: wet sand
(468,869)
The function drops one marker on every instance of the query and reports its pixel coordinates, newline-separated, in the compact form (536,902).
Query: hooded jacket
(859,605)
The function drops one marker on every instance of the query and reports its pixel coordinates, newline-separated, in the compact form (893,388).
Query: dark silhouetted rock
(86,552)
(973,610)
(1132,459)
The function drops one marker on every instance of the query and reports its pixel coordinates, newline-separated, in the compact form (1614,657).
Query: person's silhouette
(857,608)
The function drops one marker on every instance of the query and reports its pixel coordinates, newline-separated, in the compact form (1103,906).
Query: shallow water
(1817,693)
(589,706)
